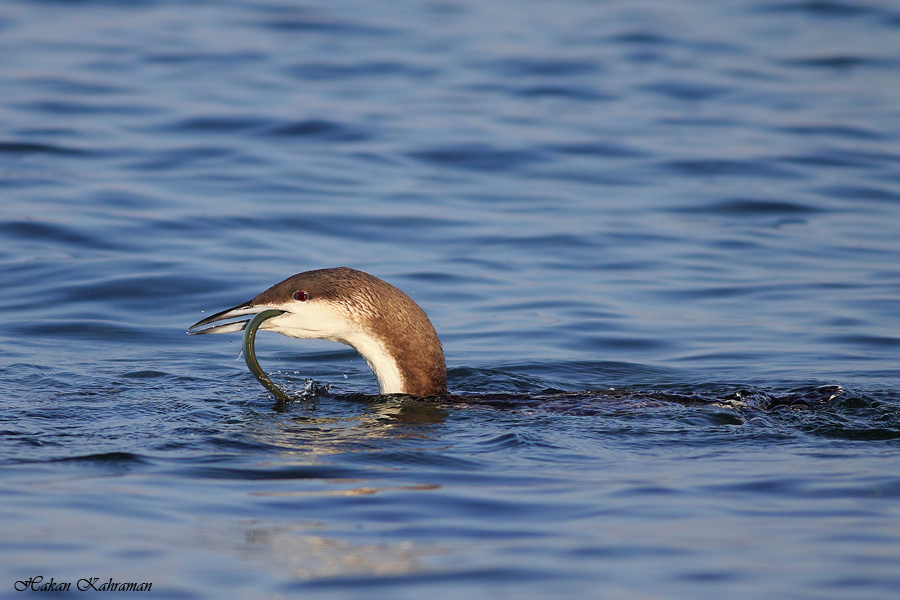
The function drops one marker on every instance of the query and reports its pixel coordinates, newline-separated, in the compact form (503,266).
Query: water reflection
(335,436)
(315,427)
(307,555)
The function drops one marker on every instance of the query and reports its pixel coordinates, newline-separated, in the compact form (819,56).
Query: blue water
(693,198)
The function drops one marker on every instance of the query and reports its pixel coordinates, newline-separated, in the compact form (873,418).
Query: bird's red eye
(301,296)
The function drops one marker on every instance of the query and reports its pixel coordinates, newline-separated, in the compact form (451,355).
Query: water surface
(692,198)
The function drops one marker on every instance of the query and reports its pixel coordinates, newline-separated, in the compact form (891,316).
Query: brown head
(390,331)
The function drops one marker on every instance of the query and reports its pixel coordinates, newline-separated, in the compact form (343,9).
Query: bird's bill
(230,313)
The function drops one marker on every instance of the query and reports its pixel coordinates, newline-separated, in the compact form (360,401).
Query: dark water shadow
(584,403)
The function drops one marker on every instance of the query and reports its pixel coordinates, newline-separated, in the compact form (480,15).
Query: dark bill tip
(229,313)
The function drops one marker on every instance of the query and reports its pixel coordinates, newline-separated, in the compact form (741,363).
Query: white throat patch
(319,320)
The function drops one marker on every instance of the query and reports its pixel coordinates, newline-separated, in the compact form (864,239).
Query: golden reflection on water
(356,491)
(305,555)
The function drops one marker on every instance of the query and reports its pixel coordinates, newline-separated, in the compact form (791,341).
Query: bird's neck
(412,366)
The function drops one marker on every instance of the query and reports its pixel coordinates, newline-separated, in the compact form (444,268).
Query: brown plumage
(345,305)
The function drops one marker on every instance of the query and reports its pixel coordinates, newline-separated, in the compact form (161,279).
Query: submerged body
(391,332)
(399,343)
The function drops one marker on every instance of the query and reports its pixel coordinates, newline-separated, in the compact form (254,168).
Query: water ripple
(751,207)
(25,148)
(321,129)
(839,62)
(828,9)
(479,157)
(654,240)
(542,67)
(56,234)
(730,168)
(335,71)
(828,130)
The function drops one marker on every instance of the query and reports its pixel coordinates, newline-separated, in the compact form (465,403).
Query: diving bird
(390,331)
